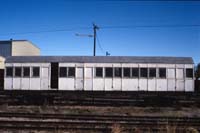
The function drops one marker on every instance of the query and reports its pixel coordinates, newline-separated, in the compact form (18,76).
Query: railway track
(102,123)
(89,122)
(99,98)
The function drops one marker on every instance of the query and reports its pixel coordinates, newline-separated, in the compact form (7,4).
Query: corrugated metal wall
(5,48)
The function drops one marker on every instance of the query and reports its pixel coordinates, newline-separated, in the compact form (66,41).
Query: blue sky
(22,16)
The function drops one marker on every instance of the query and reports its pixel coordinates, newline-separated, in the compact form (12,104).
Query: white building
(15,48)
(18,48)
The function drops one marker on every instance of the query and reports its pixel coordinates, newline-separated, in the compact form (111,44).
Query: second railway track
(95,119)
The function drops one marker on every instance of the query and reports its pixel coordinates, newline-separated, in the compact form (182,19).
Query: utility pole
(95,27)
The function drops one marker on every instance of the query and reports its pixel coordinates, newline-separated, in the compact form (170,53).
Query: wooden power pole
(95,27)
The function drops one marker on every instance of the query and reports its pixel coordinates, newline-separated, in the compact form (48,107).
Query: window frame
(106,76)
(96,72)
(32,75)
(120,72)
(7,71)
(23,75)
(61,76)
(123,74)
(146,73)
(138,72)
(149,72)
(189,77)
(74,72)
(159,76)
(15,75)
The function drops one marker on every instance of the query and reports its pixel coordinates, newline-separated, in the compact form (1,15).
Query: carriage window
(152,72)
(162,72)
(109,72)
(18,71)
(9,71)
(26,71)
(118,72)
(36,72)
(71,71)
(143,72)
(127,72)
(63,72)
(135,72)
(99,72)
(189,73)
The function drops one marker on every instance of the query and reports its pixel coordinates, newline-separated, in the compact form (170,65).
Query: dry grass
(137,130)
(171,129)
(192,130)
(174,129)
(116,128)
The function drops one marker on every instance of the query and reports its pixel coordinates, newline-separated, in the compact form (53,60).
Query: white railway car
(102,73)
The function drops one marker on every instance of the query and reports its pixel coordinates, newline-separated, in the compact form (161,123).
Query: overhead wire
(99,44)
(46,31)
(151,26)
(106,27)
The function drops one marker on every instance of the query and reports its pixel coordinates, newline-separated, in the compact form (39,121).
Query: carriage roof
(100,59)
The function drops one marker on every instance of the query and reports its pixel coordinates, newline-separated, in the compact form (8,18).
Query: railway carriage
(99,73)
